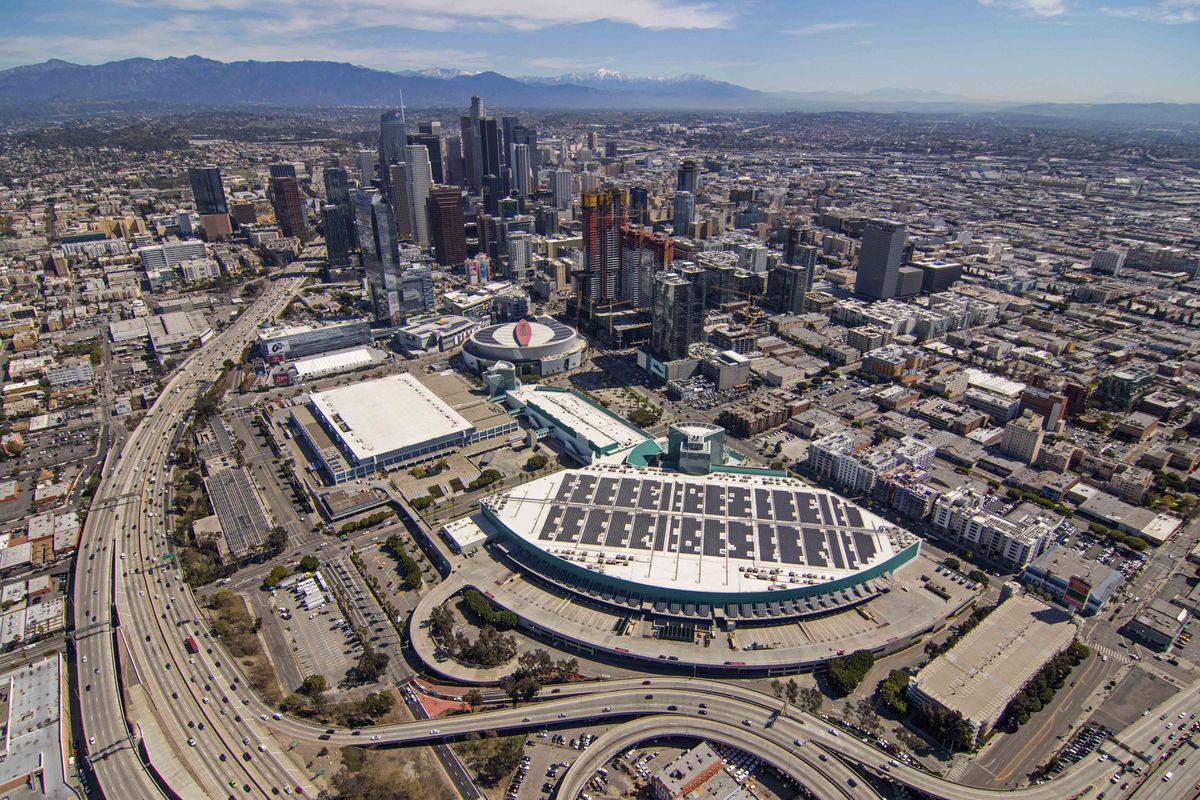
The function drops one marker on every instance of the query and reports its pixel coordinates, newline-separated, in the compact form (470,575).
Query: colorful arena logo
(523,333)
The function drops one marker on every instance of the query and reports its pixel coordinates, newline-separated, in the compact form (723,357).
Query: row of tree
(410,570)
(1041,689)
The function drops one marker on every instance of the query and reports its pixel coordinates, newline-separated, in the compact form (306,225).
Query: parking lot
(321,642)
(548,756)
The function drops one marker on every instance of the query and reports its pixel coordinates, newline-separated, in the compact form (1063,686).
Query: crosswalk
(1119,656)
(956,770)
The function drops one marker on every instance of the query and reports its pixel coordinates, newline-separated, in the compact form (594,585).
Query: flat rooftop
(723,532)
(384,415)
(980,675)
(606,432)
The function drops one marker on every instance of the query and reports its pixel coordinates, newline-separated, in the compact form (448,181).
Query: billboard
(1077,593)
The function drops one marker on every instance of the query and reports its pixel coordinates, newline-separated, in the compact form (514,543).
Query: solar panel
(766,541)
(814,540)
(835,549)
(714,537)
(741,543)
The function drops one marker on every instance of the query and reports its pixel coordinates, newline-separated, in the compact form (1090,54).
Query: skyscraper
(491,148)
(366,167)
(521,172)
(560,185)
(604,214)
(688,179)
(799,254)
(455,169)
(447,228)
(420,182)
(289,206)
(380,254)
(398,196)
(337,186)
(437,154)
(545,220)
(337,234)
(678,316)
(337,193)
(207,190)
(684,213)
(416,287)
(643,255)
(520,256)
(528,136)
(786,287)
(282,170)
(475,171)
(393,138)
(879,259)
(508,126)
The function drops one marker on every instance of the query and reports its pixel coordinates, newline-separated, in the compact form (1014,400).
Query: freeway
(205,733)
(681,698)
(825,777)
(129,611)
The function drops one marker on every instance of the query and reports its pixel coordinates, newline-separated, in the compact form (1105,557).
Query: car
(606,710)
(747,723)
(376,738)
(192,743)
(439,730)
(562,715)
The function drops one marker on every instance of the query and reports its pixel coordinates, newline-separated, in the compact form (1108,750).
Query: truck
(190,644)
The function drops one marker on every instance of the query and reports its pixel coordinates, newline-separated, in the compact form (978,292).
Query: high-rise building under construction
(604,214)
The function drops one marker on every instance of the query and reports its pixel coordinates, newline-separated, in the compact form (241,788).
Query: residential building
(1023,438)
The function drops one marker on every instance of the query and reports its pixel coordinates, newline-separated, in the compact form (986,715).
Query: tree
(276,575)
(865,716)
(536,462)
(473,698)
(953,563)
(809,699)
(371,664)
(909,739)
(846,673)
(376,704)
(892,691)
(313,685)
(979,576)
(777,689)
(309,564)
(792,690)
(523,687)
(441,623)
(496,760)
(421,503)
(276,540)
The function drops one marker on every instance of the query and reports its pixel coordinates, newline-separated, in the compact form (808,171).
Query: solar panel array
(780,525)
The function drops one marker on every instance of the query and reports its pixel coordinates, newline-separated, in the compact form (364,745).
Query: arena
(733,544)
(541,346)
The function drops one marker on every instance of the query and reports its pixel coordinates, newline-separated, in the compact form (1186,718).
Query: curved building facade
(734,544)
(540,346)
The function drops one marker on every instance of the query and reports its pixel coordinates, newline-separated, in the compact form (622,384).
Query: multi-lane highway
(132,612)
(207,735)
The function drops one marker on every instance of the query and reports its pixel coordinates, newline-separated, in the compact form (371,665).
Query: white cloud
(185,35)
(825,27)
(1033,8)
(439,15)
(1167,12)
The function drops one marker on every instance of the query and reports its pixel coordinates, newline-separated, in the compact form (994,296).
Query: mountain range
(195,81)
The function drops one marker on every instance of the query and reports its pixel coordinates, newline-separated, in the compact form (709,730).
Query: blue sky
(1027,50)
